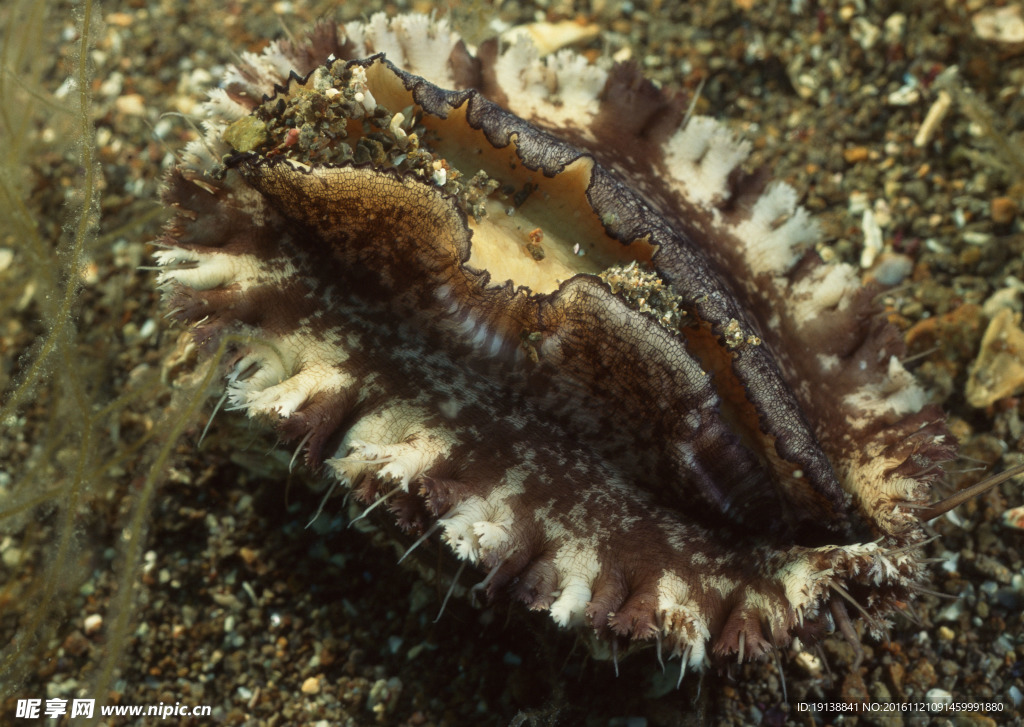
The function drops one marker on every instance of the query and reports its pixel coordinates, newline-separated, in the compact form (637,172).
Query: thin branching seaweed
(86,431)
(999,149)
(53,274)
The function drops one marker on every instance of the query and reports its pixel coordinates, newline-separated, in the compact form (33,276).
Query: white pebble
(872,239)
(93,623)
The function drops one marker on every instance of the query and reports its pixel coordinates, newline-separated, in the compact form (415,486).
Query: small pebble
(1014,517)
(121,20)
(809,663)
(998,371)
(1008,297)
(11,557)
(1003,646)
(993,569)
(311,686)
(872,239)
(855,154)
(132,104)
(892,269)
(1009,598)
(1004,210)
(1002,25)
(933,119)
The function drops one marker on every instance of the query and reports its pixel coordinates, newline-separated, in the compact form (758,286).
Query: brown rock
(896,672)
(956,333)
(854,689)
(1004,210)
(855,154)
(998,371)
(923,677)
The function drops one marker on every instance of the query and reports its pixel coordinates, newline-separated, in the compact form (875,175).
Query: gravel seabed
(237,605)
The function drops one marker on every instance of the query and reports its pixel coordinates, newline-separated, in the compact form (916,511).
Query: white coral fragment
(898,393)
(561,89)
(262,71)
(828,287)
(702,155)
(777,231)
(416,43)
(551,37)
(221,106)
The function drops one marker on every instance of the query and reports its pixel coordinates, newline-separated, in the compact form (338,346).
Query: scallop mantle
(549,320)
